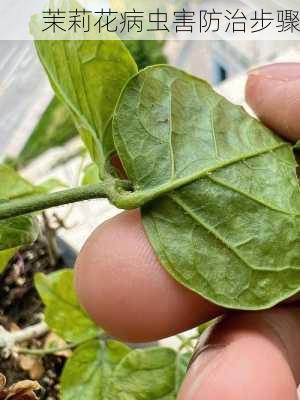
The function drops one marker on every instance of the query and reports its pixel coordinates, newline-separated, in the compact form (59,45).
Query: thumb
(273,92)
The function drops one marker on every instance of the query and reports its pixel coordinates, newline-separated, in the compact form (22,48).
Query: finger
(123,287)
(248,356)
(273,92)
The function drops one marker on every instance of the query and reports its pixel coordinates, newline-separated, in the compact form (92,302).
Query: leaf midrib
(141,197)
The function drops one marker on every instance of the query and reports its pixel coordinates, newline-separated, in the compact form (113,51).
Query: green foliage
(19,231)
(63,312)
(56,126)
(88,371)
(89,86)
(13,185)
(226,220)
(6,256)
(145,375)
(182,362)
(219,191)
(91,175)
(50,185)
(54,129)
(15,232)
(147,52)
(101,368)
(219,195)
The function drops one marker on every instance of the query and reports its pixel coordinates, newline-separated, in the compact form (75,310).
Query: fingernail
(204,354)
(284,72)
(203,362)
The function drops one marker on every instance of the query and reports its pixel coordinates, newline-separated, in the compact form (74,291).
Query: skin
(254,355)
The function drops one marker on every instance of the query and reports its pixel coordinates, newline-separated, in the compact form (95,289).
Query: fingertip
(250,362)
(273,92)
(126,291)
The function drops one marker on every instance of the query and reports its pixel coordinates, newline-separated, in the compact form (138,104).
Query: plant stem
(55,350)
(27,205)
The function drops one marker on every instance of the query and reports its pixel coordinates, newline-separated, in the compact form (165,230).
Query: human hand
(249,355)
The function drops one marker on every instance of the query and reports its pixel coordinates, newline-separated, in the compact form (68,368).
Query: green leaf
(182,362)
(145,375)
(63,313)
(15,232)
(56,126)
(88,76)
(91,175)
(88,371)
(147,52)
(12,184)
(50,185)
(6,256)
(19,231)
(225,222)
(54,129)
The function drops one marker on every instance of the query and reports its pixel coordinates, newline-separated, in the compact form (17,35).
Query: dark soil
(20,306)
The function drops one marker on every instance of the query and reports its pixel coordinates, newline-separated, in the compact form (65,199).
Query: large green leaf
(145,375)
(54,129)
(88,76)
(63,313)
(88,371)
(226,219)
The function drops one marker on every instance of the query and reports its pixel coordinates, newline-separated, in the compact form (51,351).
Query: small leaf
(91,175)
(145,375)
(50,185)
(63,313)
(225,222)
(12,184)
(15,232)
(54,129)
(6,256)
(88,76)
(88,371)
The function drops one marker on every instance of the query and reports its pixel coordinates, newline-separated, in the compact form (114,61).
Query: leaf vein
(247,195)
(221,239)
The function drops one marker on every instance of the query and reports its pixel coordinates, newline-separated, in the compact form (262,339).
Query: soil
(20,306)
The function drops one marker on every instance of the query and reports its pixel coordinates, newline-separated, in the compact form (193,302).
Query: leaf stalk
(31,204)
